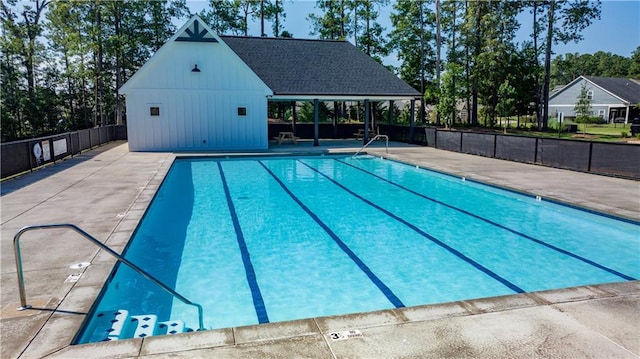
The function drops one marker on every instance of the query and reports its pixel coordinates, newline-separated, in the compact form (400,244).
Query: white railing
(373,139)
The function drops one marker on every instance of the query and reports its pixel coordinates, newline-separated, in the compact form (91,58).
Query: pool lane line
(383,287)
(415,228)
(258,302)
(486,220)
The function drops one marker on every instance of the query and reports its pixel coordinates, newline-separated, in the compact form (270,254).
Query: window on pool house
(242,111)
(154,111)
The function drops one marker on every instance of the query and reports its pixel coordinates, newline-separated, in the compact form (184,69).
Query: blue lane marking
(383,287)
(458,254)
(258,302)
(523,235)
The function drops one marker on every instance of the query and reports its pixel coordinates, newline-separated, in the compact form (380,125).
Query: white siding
(196,120)
(566,100)
(198,110)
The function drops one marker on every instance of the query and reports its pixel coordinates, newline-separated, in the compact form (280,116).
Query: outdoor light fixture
(195,68)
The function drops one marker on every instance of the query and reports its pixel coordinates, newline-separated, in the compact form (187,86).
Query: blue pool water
(258,240)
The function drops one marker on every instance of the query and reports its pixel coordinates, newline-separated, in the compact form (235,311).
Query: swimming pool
(258,240)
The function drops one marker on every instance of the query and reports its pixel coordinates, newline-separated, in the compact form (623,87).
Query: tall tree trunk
(438,46)
(72,113)
(476,54)
(468,70)
(422,89)
(538,95)
(277,19)
(547,68)
(368,29)
(262,18)
(98,70)
(453,78)
(343,35)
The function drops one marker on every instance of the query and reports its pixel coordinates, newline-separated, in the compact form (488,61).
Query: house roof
(303,69)
(626,89)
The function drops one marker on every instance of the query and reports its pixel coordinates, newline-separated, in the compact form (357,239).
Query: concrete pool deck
(106,191)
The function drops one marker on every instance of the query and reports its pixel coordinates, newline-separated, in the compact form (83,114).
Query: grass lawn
(613,129)
(595,132)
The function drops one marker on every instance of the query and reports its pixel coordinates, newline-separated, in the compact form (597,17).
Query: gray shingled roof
(626,89)
(295,67)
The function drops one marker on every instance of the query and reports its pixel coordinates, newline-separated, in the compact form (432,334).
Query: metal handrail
(368,143)
(23,297)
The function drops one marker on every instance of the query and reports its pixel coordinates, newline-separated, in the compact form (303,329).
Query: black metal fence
(606,158)
(22,156)
(617,159)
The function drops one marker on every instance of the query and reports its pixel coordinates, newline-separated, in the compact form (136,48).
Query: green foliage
(352,19)
(449,93)
(412,37)
(307,112)
(334,23)
(565,69)
(583,105)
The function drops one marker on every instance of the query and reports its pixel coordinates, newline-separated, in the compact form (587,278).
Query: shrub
(624,134)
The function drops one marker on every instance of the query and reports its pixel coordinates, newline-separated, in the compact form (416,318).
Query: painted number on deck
(349,334)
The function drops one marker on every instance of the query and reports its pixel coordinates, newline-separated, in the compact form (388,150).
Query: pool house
(202,91)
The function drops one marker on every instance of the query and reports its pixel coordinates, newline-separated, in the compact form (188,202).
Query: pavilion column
(335,119)
(412,121)
(294,116)
(367,113)
(316,120)
(390,117)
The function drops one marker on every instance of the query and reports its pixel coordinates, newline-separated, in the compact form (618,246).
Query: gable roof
(325,69)
(194,30)
(626,89)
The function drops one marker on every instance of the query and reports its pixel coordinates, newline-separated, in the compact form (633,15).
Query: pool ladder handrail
(373,139)
(18,256)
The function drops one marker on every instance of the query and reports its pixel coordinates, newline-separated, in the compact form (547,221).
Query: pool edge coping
(157,179)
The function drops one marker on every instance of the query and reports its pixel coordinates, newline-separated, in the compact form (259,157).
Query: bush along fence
(25,155)
(605,158)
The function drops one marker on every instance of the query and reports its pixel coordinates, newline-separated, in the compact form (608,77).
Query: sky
(617,31)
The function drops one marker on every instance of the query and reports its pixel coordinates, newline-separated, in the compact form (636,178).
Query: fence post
(435,140)
(495,144)
(590,156)
(30,152)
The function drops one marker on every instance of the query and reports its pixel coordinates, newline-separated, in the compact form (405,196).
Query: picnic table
(360,134)
(286,137)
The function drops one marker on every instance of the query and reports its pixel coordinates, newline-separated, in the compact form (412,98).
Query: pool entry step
(118,324)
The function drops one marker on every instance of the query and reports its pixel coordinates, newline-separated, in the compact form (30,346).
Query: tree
(497,56)
(568,68)
(452,14)
(412,38)
(583,107)
(634,67)
(333,24)
(506,104)
(449,93)
(222,16)
(275,12)
(21,32)
(367,31)
(247,9)
(564,22)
